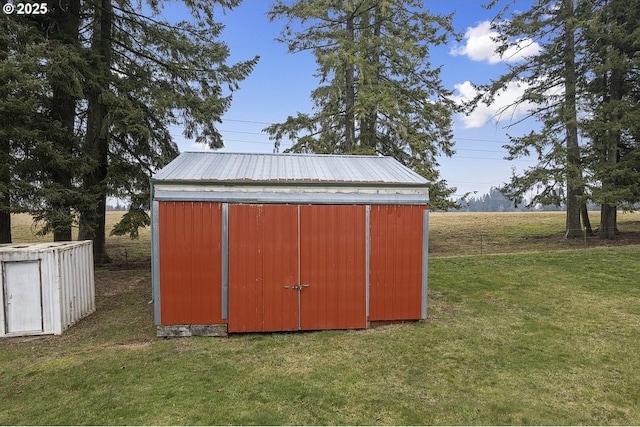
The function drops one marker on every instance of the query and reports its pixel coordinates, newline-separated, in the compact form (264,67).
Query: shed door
(190,263)
(296,267)
(333,264)
(22,297)
(263,253)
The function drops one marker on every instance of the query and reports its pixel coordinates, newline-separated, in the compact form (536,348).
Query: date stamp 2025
(25,8)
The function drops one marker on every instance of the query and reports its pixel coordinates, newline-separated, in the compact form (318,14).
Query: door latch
(297,287)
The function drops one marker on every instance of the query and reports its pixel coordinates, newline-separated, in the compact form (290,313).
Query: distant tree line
(496,201)
(117,207)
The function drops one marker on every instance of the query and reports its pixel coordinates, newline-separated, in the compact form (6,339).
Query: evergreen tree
(378,92)
(612,80)
(40,52)
(115,78)
(550,82)
(154,74)
(19,109)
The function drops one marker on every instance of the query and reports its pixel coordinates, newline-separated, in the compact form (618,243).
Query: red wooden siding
(395,291)
(262,261)
(333,250)
(190,262)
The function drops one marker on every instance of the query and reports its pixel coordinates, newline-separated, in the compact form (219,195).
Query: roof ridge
(289,154)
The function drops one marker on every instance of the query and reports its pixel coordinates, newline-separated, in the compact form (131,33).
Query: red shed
(285,242)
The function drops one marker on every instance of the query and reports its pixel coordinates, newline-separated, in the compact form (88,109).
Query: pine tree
(155,74)
(115,78)
(19,102)
(39,143)
(550,82)
(612,81)
(378,92)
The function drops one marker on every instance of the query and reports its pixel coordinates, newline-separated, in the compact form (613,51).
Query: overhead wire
(457,139)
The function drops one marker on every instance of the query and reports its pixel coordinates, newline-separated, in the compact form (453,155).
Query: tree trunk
(5,200)
(93,217)
(5,173)
(5,222)
(64,111)
(586,222)
(350,96)
(608,217)
(574,173)
(369,125)
(608,222)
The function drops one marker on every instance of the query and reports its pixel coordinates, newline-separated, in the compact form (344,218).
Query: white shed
(45,287)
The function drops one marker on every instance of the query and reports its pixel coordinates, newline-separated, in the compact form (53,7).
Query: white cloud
(195,146)
(480,45)
(502,108)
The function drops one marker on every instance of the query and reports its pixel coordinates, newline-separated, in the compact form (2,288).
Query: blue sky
(281,84)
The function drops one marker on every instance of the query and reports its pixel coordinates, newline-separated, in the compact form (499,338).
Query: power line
(239,131)
(481,140)
(455,156)
(267,123)
(246,121)
(248,142)
(460,139)
(489,158)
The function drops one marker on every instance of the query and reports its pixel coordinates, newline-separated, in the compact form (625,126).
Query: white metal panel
(22,297)
(319,194)
(77,288)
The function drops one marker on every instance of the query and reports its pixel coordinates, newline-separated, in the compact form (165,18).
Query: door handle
(297,287)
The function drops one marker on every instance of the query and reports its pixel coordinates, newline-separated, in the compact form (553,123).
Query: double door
(296,267)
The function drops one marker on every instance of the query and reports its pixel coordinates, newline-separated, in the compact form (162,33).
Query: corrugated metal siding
(77,285)
(263,251)
(190,263)
(293,168)
(332,263)
(396,262)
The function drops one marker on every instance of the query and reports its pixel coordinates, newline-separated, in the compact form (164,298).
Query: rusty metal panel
(332,263)
(263,257)
(396,252)
(190,263)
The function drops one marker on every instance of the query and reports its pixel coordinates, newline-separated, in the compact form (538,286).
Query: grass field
(538,337)
(450,234)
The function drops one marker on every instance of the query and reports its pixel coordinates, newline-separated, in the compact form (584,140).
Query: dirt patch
(134,345)
(31,338)
(112,287)
(111,283)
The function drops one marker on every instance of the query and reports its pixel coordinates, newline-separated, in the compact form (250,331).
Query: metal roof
(287,168)
(39,246)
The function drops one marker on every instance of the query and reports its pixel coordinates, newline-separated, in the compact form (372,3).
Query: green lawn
(537,338)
